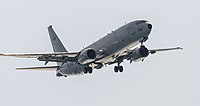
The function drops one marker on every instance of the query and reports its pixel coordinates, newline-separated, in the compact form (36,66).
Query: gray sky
(164,79)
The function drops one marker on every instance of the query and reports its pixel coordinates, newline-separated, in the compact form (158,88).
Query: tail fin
(55,41)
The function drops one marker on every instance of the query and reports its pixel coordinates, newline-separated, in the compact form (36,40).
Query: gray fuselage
(113,44)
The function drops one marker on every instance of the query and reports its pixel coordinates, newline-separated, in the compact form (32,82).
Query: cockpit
(140,22)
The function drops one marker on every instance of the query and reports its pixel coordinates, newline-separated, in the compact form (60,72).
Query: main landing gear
(88,70)
(118,68)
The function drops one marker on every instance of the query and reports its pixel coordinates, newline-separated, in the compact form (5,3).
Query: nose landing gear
(143,40)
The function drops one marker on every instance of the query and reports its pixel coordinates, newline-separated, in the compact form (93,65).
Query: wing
(47,57)
(166,49)
(37,55)
(135,55)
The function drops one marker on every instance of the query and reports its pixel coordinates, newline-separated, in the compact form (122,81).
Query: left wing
(166,49)
(138,54)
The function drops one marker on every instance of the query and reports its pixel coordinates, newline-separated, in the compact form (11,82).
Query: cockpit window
(140,22)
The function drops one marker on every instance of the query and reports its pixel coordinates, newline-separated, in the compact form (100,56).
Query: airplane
(124,43)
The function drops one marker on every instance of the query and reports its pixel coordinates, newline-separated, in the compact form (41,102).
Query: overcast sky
(163,79)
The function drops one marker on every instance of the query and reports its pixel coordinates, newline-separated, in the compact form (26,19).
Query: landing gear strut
(144,40)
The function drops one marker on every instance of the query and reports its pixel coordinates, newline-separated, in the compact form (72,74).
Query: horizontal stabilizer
(47,68)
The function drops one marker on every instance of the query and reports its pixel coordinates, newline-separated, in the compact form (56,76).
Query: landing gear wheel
(85,70)
(120,68)
(116,69)
(90,70)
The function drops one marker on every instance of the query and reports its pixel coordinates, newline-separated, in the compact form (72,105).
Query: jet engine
(87,56)
(138,54)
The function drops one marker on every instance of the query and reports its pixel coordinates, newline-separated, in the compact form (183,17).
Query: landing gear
(118,68)
(88,70)
(144,40)
(85,71)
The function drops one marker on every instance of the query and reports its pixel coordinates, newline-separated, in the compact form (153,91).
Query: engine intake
(87,56)
(91,54)
(144,52)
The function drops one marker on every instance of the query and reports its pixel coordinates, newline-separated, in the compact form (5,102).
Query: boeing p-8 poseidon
(114,48)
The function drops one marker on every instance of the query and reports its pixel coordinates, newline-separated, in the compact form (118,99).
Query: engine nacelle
(87,56)
(139,54)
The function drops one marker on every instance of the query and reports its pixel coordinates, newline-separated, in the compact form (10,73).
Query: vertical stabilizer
(55,41)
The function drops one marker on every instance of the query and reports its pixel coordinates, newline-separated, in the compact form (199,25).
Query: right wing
(47,57)
(37,55)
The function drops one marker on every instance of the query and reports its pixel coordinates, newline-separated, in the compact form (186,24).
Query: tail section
(55,41)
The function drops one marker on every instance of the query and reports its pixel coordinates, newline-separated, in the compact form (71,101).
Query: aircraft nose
(149,26)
